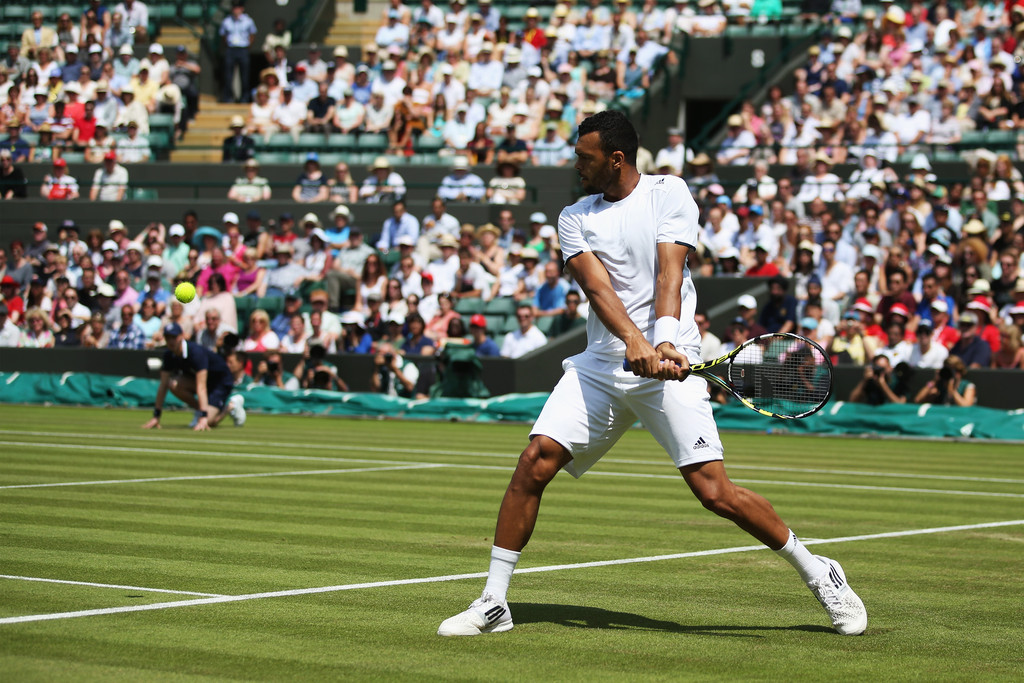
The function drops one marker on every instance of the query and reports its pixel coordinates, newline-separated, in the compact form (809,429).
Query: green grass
(942,606)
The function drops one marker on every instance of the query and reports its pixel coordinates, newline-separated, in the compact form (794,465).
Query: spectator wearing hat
(304,90)
(311,185)
(443,269)
(134,148)
(482,343)
(238,146)
(238,31)
(394,32)
(250,187)
(110,181)
(461,185)
(971,348)
(735,149)
(382,185)
(552,149)
(59,184)
(280,279)
(19,149)
(10,334)
(762,267)
(15,305)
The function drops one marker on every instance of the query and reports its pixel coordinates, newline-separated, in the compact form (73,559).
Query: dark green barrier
(838,418)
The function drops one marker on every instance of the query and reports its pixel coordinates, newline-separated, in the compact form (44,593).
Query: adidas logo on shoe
(494,613)
(701,443)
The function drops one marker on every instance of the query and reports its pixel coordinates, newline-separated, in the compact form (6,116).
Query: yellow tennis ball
(185,292)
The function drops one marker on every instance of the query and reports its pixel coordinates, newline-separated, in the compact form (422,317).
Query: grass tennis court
(201,555)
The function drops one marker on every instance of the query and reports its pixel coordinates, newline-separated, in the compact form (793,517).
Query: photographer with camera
(317,373)
(270,373)
(881,383)
(394,374)
(949,388)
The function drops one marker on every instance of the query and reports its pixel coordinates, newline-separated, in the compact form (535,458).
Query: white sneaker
(849,618)
(485,615)
(236,408)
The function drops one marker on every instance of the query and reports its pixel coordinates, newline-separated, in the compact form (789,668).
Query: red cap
(60,163)
(300,68)
(864,305)
(8,280)
(427,277)
(478,321)
(900,309)
(980,303)
(112,155)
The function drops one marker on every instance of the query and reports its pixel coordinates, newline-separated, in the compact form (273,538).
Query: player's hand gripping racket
(779,375)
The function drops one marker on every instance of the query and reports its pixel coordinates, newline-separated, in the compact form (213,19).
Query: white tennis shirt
(624,235)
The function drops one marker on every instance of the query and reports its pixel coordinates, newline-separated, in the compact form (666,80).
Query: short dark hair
(615,131)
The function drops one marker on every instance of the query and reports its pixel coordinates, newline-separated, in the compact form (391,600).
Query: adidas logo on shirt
(701,443)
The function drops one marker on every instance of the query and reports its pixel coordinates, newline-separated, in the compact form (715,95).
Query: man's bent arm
(592,277)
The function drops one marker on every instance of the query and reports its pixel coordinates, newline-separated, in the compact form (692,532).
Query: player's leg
(579,423)
(223,404)
(538,464)
(679,417)
(755,515)
(185,389)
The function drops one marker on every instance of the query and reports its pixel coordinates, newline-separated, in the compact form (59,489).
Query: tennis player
(626,245)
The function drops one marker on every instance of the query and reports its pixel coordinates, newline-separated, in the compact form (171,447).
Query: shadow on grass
(576,616)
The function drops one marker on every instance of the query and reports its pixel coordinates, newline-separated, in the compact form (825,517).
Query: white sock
(797,554)
(503,563)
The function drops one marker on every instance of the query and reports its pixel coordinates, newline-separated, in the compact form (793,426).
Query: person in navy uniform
(201,379)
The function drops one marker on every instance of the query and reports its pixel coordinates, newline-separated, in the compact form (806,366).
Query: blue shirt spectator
(237,29)
(550,296)
(14,143)
(128,335)
(401,224)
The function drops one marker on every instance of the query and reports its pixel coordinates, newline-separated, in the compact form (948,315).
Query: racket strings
(782,375)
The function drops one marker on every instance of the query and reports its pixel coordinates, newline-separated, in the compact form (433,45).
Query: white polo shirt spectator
(460,185)
(520,342)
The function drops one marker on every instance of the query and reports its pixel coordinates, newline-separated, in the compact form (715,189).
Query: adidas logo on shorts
(701,443)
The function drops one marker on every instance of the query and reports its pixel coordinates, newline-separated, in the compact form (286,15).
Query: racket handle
(625,364)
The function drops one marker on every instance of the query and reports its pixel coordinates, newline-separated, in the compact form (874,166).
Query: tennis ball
(185,292)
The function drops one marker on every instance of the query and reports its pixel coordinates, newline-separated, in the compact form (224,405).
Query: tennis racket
(778,375)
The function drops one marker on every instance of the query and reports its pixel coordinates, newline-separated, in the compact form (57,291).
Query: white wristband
(666,329)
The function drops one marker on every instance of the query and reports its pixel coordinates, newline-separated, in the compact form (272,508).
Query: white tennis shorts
(596,401)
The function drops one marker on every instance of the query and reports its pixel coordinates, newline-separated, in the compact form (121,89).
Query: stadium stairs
(351,29)
(206,133)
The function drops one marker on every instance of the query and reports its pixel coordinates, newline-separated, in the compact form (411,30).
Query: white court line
(480,575)
(483,454)
(108,585)
(857,487)
(297,473)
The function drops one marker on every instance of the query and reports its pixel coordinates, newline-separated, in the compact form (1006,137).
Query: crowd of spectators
(405,292)
(461,83)
(886,270)
(79,86)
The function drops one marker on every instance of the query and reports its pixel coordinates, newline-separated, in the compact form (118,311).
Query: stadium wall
(537,372)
